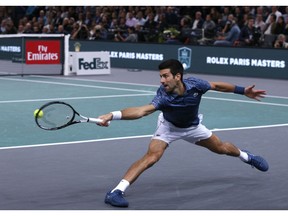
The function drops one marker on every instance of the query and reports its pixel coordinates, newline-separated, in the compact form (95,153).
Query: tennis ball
(40,114)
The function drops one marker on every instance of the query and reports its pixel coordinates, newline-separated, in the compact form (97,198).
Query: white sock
(123,185)
(243,156)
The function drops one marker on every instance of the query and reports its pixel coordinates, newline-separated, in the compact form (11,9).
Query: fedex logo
(96,63)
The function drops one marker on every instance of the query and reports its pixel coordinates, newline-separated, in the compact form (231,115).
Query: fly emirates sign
(43,52)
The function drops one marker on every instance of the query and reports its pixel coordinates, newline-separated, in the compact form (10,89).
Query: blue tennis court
(93,98)
(73,168)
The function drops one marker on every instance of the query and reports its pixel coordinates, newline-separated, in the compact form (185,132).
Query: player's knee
(152,159)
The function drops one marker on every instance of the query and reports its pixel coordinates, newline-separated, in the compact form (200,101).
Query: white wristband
(117,115)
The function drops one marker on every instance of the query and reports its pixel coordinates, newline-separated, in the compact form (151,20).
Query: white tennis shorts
(168,133)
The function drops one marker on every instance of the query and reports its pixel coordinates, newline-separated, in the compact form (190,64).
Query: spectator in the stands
(10,28)
(215,15)
(58,20)
(276,12)
(122,24)
(286,26)
(36,29)
(20,29)
(140,33)
(42,16)
(281,42)
(196,27)
(231,36)
(80,18)
(162,24)
(285,13)
(3,26)
(224,18)
(32,19)
(259,23)
(113,25)
(185,29)
(97,16)
(280,25)
(131,37)
(66,25)
(271,26)
(228,25)
(249,36)
(72,13)
(40,23)
(150,29)
(60,30)
(140,18)
(159,11)
(171,16)
(45,30)
(239,15)
(81,33)
(28,28)
(105,22)
(99,33)
(198,21)
(209,27)
(88,18)
(131,21)
(51,29)
(150,24)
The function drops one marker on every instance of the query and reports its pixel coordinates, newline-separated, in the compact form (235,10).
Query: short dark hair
(274,16)
(174,65)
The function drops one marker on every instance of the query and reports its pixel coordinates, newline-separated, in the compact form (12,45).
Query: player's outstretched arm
(249,91)
(129,113)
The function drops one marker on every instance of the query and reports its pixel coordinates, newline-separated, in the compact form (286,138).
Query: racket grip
(96,120)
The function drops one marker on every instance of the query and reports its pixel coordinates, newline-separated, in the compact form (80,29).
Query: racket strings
(56,116)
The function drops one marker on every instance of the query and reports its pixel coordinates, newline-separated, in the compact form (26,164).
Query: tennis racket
(56,115)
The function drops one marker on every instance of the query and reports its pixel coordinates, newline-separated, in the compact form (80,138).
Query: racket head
(55,115)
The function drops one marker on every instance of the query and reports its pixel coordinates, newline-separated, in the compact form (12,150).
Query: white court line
(74,98)
(246,101)
(101,81)
(77,85)
(132,137)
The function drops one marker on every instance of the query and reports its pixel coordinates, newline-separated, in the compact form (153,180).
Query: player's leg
(154,153)
(214,144)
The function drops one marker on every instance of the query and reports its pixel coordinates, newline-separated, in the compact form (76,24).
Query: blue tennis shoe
(116,198)
(257,161)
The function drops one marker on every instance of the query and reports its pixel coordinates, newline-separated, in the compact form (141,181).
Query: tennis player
(178,100)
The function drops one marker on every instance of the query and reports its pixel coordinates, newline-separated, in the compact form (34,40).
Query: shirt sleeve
(202,85)
(158,101)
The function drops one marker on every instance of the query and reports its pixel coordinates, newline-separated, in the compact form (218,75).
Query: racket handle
(96,120)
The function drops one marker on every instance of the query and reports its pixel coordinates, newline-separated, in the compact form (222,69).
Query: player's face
(169,82)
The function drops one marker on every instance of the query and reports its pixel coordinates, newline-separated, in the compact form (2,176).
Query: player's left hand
(255,94)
